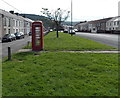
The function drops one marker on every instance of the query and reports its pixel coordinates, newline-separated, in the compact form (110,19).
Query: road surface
(108,39)
(15,45)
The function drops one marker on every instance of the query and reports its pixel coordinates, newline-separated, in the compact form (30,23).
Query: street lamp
(71,17)
(71,12)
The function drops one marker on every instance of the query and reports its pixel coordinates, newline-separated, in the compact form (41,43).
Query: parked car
(72,32)
(51,30)
(30,33)
(13,36)
(65,31)
(76,30)
(22,35)
(8,37)
(19,35)
(61,31)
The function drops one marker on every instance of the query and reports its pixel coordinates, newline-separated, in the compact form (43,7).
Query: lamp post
(71,16)
(71,12)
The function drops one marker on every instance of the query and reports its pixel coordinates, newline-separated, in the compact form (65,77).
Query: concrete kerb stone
(25,50)
(92,51)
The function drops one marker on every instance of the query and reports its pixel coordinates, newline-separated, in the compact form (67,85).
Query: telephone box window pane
(37,36)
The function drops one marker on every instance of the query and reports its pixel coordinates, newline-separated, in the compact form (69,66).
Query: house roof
(29,20)
(80,22)
(117,18)
(100,20)
(8,14)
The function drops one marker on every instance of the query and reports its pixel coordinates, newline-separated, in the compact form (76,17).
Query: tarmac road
(108,39)
(15,45)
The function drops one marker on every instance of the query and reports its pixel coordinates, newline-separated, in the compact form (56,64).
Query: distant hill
(46,22)
(69,23)
(33,16)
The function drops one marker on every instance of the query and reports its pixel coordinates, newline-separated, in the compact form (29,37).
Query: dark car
(30,33)
(13,36)
(8,37)
(19,35)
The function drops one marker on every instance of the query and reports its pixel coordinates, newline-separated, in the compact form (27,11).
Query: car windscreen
(17,34)
(7,35)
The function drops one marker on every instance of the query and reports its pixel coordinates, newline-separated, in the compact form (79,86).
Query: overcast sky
(82,9)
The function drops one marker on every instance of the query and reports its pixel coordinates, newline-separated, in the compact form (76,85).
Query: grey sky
(119,9)
(82,9)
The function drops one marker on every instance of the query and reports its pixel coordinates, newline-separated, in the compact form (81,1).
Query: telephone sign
(37,36)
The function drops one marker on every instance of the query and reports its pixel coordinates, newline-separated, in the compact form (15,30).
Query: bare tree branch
(58,16)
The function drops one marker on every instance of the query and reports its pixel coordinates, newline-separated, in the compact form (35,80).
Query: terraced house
(113,25)
(106,25)
(11,22)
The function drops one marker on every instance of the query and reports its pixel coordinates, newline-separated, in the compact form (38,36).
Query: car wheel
(10,40)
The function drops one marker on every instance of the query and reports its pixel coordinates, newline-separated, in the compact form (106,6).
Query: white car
(76,30)
(51,30)
(72,32)
(22,34)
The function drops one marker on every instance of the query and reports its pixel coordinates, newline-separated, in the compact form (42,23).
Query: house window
(5,31)
(5,22)
(14,30)
(110,23)
(9,23)
(107,24)
(117,22)
(9,31)
(16,23)
(114,23)
(20,23)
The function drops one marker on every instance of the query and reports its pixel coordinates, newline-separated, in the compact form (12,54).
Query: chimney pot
(12,12)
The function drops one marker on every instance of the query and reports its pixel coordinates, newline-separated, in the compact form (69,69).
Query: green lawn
(68,42)
(61,74)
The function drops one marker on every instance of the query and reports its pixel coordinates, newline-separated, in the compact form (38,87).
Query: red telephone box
(37,36)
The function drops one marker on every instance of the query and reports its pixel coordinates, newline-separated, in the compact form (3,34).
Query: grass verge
(61,74)
(72,43)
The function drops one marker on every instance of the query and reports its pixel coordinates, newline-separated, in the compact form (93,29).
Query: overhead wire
(11,5)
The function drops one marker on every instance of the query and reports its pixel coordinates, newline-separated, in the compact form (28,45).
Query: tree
(58,16)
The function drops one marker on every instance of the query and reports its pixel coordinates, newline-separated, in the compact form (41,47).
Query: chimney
(24,16)
(12,12)
(17,14)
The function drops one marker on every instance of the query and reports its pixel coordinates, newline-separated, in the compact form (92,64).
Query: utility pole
(71,12)
(71,16)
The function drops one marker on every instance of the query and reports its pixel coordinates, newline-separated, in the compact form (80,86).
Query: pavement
(30,50)
(15,45)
